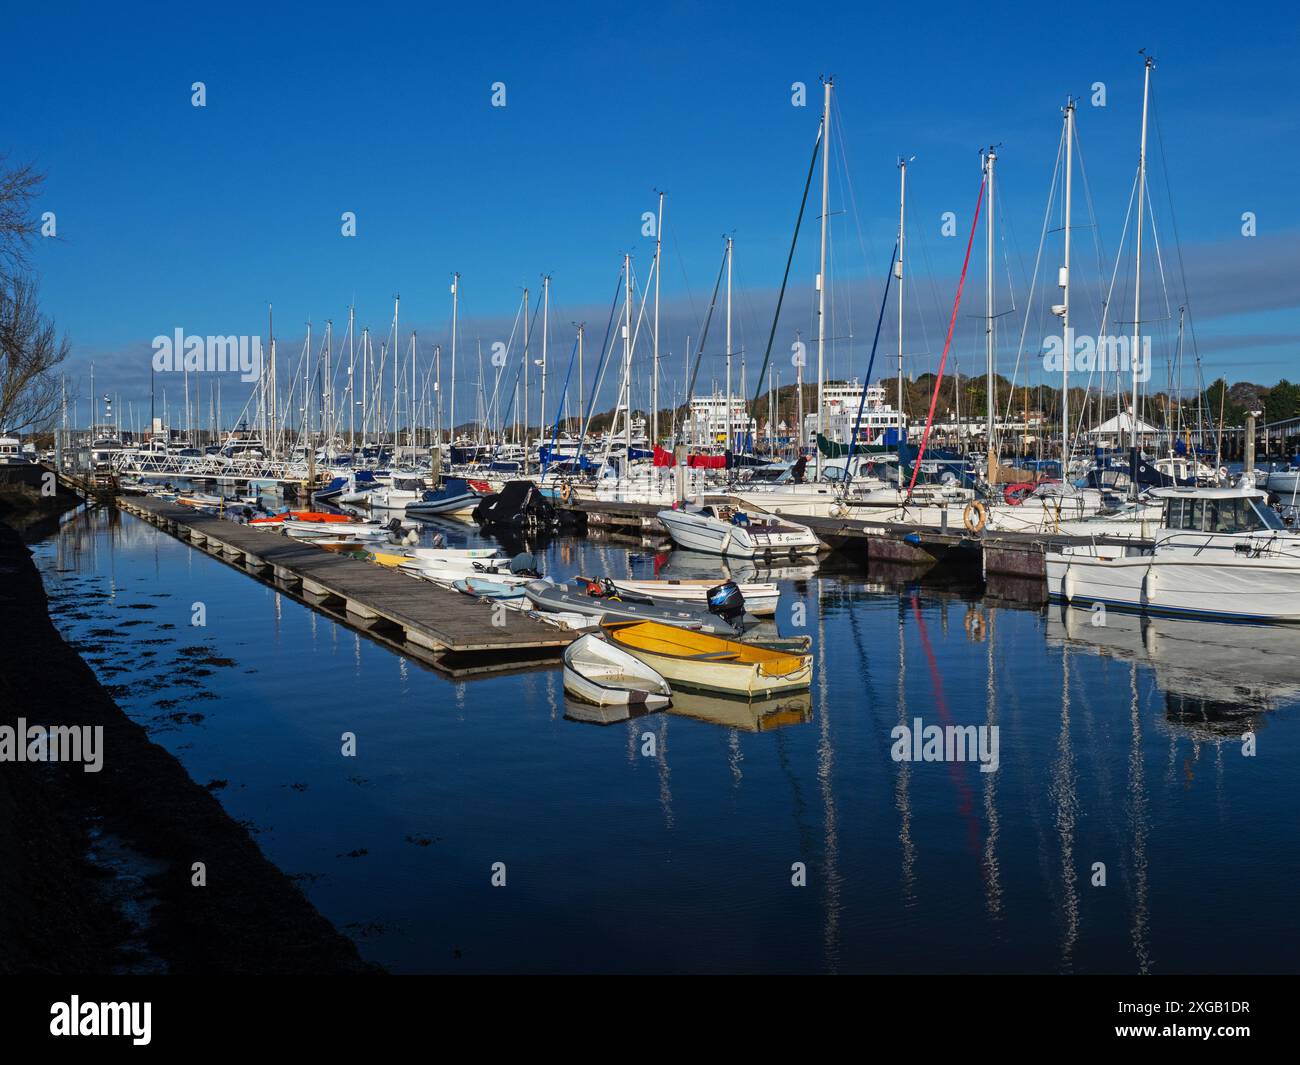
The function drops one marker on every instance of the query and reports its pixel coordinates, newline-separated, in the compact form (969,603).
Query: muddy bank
(60,912)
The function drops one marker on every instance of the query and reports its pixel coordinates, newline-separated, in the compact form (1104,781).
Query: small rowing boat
(597,672)
(486,589)
(760,599)
(706,663)
(546,595)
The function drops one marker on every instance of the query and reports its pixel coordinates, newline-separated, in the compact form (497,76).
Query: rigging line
(862,399)
(780,299)
(1182,270)
(681,264)
(708,318)
(1038,259)
(514,385)
(848,183)
(600,372)
(952,322)
(1098,245)
(559,407)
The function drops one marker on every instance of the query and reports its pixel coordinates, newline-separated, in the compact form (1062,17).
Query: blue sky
(171,215)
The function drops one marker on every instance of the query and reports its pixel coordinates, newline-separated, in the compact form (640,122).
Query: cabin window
(1193,514)
(1173,514)
(1221,515)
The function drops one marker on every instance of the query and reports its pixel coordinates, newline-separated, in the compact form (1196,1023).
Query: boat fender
(975,517)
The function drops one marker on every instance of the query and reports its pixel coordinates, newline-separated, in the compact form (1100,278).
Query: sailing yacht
(1219,552)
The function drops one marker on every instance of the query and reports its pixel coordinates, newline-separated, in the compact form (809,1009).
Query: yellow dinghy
(386,559)
(709,663)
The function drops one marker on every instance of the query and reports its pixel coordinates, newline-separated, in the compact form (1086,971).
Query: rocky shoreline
(58,911)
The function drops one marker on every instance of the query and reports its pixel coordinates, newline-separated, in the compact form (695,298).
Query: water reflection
(1106,736)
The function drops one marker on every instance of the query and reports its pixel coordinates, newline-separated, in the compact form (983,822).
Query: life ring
(1015,493)
(974,517)
(566,494)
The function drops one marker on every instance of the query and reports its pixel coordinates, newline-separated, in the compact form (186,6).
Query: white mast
(627,366)
(352,395)
(1066,339)
(821,273)
(546,335)
(898,273)
(1136,354)
(327,388)
(582,401)
(396,301)
(526,359)
(989,160)
(727,415)
(455,301)
(654,379)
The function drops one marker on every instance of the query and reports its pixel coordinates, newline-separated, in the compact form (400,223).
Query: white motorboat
(738,532)
(597,672)
(403,491)
(1219,552)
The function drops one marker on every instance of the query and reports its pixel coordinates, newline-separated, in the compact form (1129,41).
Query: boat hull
(1241,589)
(717,665)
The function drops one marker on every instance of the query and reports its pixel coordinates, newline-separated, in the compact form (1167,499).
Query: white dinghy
(597,672)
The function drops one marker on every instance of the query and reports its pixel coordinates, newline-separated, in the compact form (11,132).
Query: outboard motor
(394,526)
(524,565)
(727,602)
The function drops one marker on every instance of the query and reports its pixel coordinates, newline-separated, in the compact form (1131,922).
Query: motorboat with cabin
(1219,552)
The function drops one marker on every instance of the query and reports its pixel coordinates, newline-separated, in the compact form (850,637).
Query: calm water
(1119,743)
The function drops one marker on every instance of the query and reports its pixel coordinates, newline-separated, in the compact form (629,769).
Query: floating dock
(452,632)
(1003,554)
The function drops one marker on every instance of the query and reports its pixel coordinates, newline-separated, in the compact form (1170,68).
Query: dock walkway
(445,628)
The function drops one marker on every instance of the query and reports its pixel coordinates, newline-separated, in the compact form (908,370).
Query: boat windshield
(1240,514)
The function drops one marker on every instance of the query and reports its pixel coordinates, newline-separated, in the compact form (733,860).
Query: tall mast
(821,273)
(627,365)
(327,388)
(1136,354)
(396,301)
(898,273)
(365,385)
(989,160)
(546,335)
(437,388)
(526,360)
(455,302)
(582,402)
(727,415)
(1066,339)
(352,395)
(654,379)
